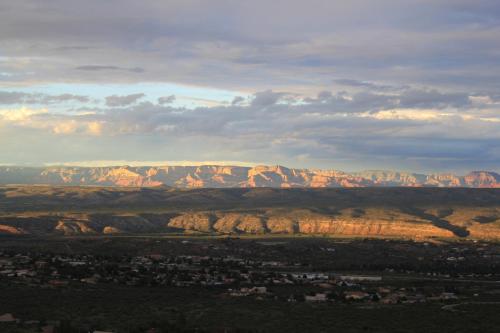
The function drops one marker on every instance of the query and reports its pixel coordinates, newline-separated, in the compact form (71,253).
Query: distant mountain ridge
(237,176)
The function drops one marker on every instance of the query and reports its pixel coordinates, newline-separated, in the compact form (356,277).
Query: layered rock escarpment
(310,223)
(214,176)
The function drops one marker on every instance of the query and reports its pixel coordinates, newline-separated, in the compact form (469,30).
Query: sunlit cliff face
(214,176)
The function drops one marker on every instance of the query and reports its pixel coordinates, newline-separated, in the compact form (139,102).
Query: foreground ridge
(417,213)
(237,176)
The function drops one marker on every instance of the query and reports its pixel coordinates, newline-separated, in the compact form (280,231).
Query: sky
(409,85)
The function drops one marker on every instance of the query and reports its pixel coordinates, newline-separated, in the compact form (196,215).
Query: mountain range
(216,176)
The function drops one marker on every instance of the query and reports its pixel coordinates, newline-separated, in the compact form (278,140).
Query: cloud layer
(352,85)
(342,130)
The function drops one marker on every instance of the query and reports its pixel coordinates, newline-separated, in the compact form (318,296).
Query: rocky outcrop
(69,228)
(252,224)
(111,230)
(482,179)
(379,223)
(227,223)
(197,222)
(282,225)
(7,229)
(235,176)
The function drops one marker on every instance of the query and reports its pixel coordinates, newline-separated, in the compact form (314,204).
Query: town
(242,277)
(266,271)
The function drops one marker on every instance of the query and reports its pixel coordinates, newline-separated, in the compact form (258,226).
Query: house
(361,278)
(77,263)
(390,299)
(7,318)
(318,297)
(157,257)
(90,280)
(448,296)
(48,329)
(310,276)
(325,285)
(249,291)
(356,295)
(346,284)
(58,283)
(384,290)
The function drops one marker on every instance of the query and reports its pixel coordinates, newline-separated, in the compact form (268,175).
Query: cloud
(65,127)
(346,84)
(166,99)
(411,138)
(237,100)
(74,126)
(362,44)
(409,114)
(324,95)
(362,84)
(433,99)
(19,116)
(109,68)
(14,97)
(44,120)
(94,128)
(267,98)
(66,98)
(117,101)
(107,163)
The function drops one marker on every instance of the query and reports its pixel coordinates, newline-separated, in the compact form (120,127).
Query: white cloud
(409,114)
(42,119)
(65,127)
(94,128)
(21,115)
